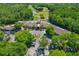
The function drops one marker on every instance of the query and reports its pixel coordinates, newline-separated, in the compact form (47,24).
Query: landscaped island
(39,30)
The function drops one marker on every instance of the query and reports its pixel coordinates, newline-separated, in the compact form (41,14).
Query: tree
(74,41)
(66,41)
(69,54)
(1,35)
(57,53)
(12,49)
(11,13)
(62,40)
(50,31)
(43,42)
(18,25)
(77,53)
(57,40)
(24,37)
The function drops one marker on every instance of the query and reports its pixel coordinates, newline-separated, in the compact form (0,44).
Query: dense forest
(11,13)
(65,16)
(64,44)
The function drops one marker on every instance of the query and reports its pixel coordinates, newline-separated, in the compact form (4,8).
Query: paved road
(58,29)
(32,50)
(12,38)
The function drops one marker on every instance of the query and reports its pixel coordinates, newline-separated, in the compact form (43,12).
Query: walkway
(32,50)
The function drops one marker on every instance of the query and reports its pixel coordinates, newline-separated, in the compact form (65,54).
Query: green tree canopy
(66,41)
(77,53)
(12,49)
(74,41)
(24,37)
(11,13)
(64,16)
(43,42)
(1,35)
(50,31)
(57,53)
(18,25)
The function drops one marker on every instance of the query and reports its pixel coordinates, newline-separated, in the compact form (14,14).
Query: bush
(18,25)
(50,31)
(12,49)
(57,53)
(24,37)
(1,35)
